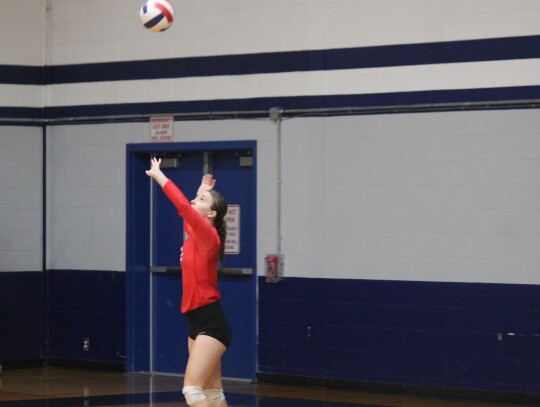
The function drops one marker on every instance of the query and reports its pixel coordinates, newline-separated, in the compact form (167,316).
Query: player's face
(203,205)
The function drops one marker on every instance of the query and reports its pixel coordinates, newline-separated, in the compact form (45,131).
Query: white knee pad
(193,395)
(214,396)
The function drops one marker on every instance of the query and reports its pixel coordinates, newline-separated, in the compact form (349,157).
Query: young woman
(209,331)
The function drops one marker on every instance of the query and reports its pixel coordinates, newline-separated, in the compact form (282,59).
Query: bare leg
(214,382)
(190,344)
(204,365)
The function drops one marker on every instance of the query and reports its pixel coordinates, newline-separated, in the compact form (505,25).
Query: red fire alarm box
(273,265)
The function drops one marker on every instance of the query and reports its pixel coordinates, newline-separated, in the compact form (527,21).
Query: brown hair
(219,205)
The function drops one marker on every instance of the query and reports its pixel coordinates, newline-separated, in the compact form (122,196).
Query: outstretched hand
(154,169)
(155,172)
(207,184)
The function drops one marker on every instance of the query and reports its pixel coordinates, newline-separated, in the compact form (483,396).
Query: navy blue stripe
(293,61)
(243,107)
(491,95)
(22,75)
(34,113)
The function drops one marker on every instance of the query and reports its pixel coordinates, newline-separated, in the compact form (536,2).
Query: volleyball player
(209,331)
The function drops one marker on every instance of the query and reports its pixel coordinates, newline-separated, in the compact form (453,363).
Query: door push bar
(224,272)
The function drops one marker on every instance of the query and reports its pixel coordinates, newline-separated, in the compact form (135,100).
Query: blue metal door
(234,170)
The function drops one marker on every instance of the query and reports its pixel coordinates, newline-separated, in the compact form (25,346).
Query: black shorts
(209,320)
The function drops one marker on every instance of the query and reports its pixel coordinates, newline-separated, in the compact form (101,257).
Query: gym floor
(55,387)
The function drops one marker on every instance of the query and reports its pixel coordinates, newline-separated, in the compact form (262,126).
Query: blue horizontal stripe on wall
(491,98)
(272,62)
(32,113)
(22,74)
(294,61)
(451,335)
(371,101)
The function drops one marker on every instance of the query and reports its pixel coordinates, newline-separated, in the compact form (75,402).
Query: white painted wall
(477,75)
(22,28)
(438,196)
(20,199)
(100,31)
(433,197)
(86,196)
(58,32)
(83,31)
(22,42)
(87,183)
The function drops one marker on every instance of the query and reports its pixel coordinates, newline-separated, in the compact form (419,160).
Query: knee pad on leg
(193,395)
(214,396)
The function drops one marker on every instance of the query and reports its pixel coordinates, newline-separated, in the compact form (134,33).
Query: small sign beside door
(232,243)
(161,129)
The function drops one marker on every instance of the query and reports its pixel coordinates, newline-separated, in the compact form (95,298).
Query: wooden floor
(54,387)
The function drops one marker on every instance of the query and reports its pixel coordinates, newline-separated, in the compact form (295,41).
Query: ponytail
(222,233)
(220,206)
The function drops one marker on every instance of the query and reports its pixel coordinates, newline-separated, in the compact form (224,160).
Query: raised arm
(156,173)
(200,226)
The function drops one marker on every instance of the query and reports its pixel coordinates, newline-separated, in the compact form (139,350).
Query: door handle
(230,271)
(236,272)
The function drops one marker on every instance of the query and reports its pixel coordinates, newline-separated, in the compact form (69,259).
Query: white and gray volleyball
(157,15)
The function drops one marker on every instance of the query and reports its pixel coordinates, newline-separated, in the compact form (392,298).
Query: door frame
(138,235)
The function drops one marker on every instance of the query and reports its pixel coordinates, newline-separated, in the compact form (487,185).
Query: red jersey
(200,252)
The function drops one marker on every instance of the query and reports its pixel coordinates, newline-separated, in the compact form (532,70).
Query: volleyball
(157,15)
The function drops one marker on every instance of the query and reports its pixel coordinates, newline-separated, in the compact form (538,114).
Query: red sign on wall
(161,129)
